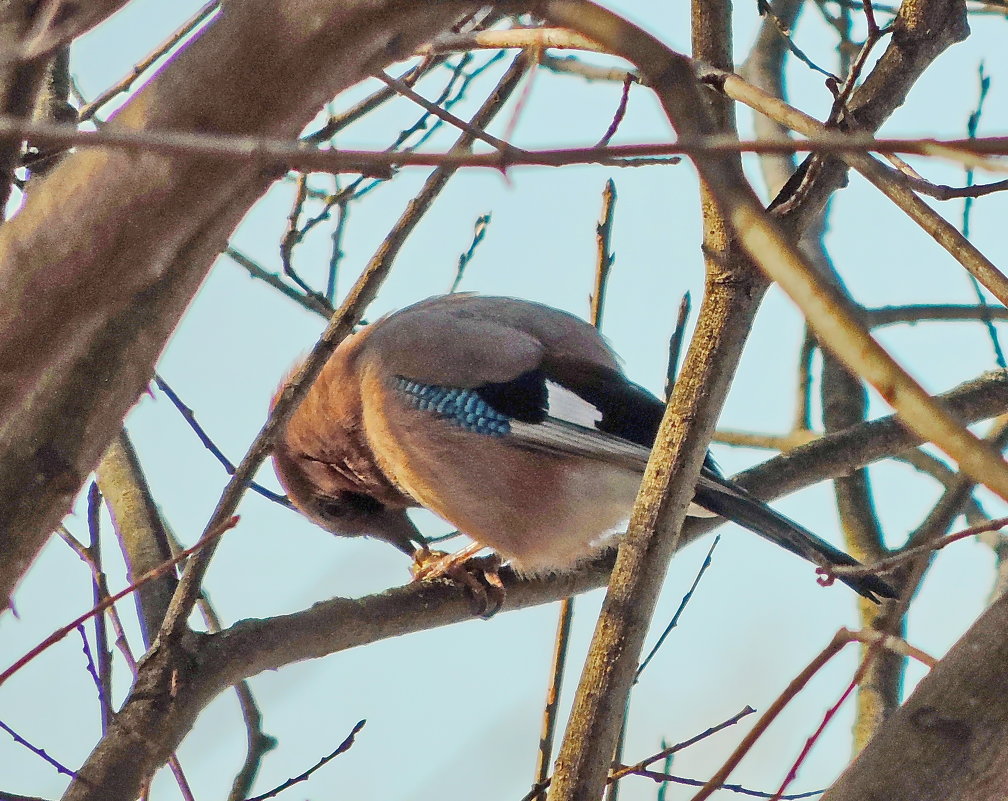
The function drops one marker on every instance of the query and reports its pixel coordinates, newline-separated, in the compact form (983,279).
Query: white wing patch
(562,404)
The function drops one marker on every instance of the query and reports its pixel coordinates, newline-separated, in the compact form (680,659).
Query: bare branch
(252,646)
(122,86)
(140,530)
(604,256)
(918,752)
(76,364)
(39,752)
(270,152)
(340,749)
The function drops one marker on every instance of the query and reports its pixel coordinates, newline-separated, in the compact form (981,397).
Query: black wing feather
(630,417)
(524,398)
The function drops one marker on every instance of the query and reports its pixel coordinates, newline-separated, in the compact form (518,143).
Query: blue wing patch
(463,407)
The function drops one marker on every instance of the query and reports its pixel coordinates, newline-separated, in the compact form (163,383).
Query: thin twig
(92,669)
(190,417)
(266,151)
(124,84)
(667,769)
(604,257)
(336,253)
(946,192)
(479,232)
(889,564)
(738,789)
(343,747)
(293,236)
(551,709)
(150,575)
(337,123)
(789,42)
(39,752)
(678,613)
(310,302)
(972,126)
(844,92)
(99,585)
(675,344)
(619,114)
(626,770)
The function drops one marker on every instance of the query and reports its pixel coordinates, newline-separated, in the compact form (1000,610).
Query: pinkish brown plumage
(509,419)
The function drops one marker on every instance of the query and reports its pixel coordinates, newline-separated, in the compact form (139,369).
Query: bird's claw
(479,574)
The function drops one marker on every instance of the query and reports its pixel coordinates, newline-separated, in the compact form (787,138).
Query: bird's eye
(360,503)
(347,504)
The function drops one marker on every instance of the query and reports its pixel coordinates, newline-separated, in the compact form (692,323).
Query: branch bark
(80,260)
(948,740)
(733,290)
(21,80)
(153,720)
(140,530)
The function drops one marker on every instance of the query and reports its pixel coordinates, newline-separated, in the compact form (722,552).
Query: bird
(511,420)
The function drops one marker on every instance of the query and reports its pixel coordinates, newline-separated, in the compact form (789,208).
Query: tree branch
(75,364)
(152,721)
(948,739)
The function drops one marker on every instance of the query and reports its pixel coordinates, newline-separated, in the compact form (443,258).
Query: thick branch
(71,270)
(139,528)
(733,290)
(152,723)
(948,739)
(923,30)
(20,82)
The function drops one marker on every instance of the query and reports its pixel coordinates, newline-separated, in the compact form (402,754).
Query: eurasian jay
(509,419)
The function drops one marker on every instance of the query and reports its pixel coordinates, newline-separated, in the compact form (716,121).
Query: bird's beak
(399,531)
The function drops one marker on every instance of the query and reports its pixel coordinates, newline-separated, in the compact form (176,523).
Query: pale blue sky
(458,708)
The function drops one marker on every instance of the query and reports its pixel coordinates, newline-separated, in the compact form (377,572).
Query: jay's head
(320,461)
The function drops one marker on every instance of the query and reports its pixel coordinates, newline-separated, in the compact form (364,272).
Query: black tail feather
(733,503)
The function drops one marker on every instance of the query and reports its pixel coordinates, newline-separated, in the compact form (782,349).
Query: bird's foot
(429,564)
(479,574)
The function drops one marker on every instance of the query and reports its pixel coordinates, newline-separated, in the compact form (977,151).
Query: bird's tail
(733,503)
